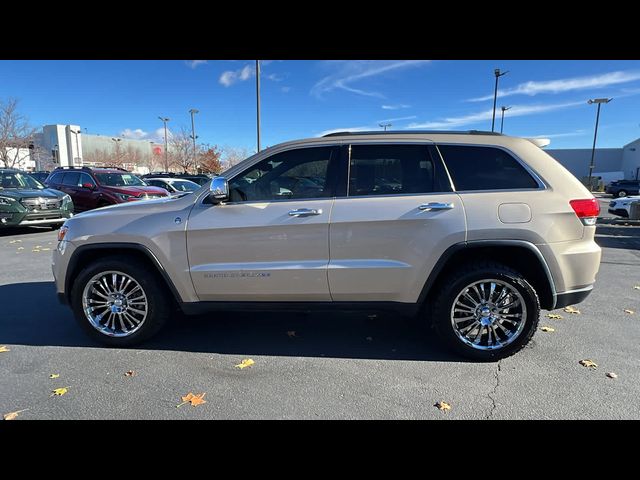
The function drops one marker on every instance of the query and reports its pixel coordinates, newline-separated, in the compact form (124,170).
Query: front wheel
(119,302)
(622,193)
(486,312)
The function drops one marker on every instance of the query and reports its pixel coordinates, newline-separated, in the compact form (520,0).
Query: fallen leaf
(45,249)
(611,375)
(443,406)
(38,246)
(13,415)
(54,375)
(547,329)
(247,362)
(636,287)
(369,339)
(555,316)
(588,363)
(630,312)
(20,248)
(4,349)
(129,373)
(571,309)
(59,391)
(194,400)
(35,251)
(15,241)
(291,333)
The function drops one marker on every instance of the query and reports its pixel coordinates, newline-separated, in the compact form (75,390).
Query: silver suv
(473,232)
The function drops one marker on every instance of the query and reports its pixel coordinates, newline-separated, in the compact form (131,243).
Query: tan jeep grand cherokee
(475,232)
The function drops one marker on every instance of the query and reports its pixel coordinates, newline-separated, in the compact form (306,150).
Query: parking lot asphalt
(335,366)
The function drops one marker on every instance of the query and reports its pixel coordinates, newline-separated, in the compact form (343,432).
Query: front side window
(484,168)
(391,170)
(85,178)
(295,174)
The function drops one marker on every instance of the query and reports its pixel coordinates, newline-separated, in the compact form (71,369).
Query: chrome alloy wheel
(488,314)
(115,304)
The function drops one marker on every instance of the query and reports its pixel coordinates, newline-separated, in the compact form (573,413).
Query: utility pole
(498,74)
(599,102)
(117,141)
(258,100)
(166,151)
(194,136)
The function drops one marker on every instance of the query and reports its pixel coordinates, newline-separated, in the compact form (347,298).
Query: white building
(65,144)
(20,158)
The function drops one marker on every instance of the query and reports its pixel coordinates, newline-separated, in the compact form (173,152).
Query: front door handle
(435,206)
(305,212)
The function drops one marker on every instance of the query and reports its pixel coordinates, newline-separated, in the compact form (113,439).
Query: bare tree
(233,155)
(16,134)
(181,150)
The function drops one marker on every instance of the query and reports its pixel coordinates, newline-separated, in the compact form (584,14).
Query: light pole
(384,125)
(193,111)
(166,152)
(76,132)
(498,74)
(117,140)
(258,101)
(504,109)
(599,101)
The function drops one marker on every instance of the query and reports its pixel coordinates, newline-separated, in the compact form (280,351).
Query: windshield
(119,180)
(184,185)
(18,180)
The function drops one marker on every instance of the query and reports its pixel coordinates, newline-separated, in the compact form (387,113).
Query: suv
(473,232)
(25,202)
(98,187)
(622,188)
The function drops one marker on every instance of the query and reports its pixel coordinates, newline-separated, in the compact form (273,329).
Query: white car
(622,206)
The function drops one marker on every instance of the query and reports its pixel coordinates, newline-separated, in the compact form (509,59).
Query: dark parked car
(623,188)
(98,187)
(24,202)
(177,187)
(39,176)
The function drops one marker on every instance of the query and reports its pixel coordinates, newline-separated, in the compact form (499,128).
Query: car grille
(41,204)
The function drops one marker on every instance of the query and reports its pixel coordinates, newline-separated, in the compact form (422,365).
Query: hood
(137,191)
(30,193)
(629,199)
(139,207)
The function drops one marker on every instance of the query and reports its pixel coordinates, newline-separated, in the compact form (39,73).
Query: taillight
(587,210)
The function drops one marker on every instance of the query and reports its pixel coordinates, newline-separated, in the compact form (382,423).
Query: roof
(415,132)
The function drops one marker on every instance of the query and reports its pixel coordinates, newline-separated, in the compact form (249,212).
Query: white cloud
(138,134)
(395,107)
(515,111)
(230,77)
(347,129)
(398,119)
(566,84)
(354,71)
(195,63)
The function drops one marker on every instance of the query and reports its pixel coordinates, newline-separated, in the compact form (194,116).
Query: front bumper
(25,219)
(619,211)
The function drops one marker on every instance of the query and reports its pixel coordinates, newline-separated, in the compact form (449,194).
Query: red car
(98,187)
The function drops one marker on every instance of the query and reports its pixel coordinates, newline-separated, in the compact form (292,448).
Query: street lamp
(258,101)
(498,74)
(117,140)
(76,132)
(384,125)
(56,154)
(166,152)
(193,111)
(599,101)
(504,109)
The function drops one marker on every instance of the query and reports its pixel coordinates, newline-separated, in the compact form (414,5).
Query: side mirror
(219,190)
(88,185)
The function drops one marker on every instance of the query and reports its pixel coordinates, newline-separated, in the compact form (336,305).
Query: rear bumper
(571,298)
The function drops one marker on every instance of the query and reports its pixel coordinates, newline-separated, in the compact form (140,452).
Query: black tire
(622,193)
(158,298)
(456,281)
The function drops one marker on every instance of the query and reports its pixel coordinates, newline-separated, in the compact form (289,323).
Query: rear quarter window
(484,168)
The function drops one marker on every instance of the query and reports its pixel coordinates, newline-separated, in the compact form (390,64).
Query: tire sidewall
(449,294)
(622,193)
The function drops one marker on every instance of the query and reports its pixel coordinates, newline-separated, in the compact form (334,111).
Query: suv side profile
(623,188)
(99,187)
(472,232)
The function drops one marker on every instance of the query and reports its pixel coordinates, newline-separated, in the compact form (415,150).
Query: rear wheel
(119,302)
(486,311)
(622,193)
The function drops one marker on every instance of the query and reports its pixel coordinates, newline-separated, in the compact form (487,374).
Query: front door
(397,219)
(270,242)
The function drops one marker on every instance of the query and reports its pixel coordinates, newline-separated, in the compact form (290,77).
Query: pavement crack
(492,393)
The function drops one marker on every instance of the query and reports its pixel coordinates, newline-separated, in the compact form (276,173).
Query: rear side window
(71,179)
(484,168)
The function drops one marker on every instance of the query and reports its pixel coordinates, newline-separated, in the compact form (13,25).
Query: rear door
(398,216)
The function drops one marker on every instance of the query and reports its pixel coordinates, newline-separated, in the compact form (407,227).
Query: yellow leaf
(630,312)
(54,375)
(555,316)
(15,241)
(547,329)
(588,363)
(571,309)
(35,251)
(38,246)
(247,362)
(59,391)
(443,406)
(611,375)
(291,333)
(129,373)
(194,400)
(13,415)
(45,249)
(4,349)
(636,287)
(20,248)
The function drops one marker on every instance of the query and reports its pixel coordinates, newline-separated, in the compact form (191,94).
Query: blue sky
(306,98)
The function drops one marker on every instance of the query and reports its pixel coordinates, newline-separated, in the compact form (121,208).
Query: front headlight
(6,200)
(125,197)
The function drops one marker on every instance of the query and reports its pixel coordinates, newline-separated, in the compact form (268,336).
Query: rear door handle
(305,212)
(435,206)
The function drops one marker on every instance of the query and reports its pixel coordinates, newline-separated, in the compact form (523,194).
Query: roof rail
(396,132)
(68,167)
